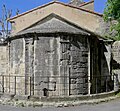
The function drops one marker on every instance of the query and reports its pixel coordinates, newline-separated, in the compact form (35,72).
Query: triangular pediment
(84,18)
(54,24)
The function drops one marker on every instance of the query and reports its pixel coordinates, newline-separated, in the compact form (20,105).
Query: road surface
(109,106)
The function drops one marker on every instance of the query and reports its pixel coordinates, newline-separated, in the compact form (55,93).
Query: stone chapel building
(57,49)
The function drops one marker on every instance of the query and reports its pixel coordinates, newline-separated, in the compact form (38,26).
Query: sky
(25,5)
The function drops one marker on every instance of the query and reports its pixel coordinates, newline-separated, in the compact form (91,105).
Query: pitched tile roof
(76,7)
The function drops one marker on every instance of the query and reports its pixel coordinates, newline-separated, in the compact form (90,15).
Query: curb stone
(38,103)
(24,103)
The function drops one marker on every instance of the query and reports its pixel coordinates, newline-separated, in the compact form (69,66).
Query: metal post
(33,85)
(96,85)
(113,82)
(106,83)
(89,65)
(9,83)
(48,82)
(30,86)
(69,81)
(15,85)
(82,85)
(3,84)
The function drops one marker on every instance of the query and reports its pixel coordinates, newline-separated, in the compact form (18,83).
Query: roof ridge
(86,3)
(77,7)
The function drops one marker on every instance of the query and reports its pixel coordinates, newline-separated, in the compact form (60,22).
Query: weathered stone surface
(46,65)
(57,65)
(76,2)
(79,59)
(3,66)
(17,66)
(116,58)
(55,57)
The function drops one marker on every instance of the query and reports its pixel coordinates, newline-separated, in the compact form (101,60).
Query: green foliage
(112,9)
(112,12)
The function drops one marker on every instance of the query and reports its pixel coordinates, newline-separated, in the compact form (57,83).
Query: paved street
(110,106)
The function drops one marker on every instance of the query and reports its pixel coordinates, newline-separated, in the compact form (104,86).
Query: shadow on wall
(115,65)
(105,82)
(106,57)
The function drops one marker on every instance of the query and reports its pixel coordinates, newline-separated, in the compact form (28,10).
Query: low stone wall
(58,99)
(27,101)
(75,98)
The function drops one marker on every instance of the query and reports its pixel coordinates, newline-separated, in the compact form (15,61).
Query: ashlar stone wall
(3,67)
(59,65)
(56,65)
(46,66)
(17,66)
